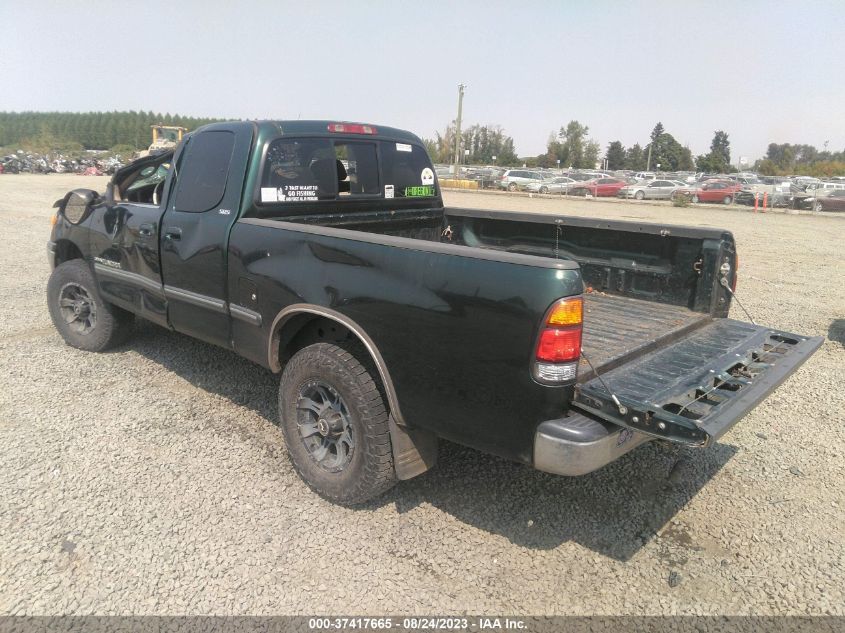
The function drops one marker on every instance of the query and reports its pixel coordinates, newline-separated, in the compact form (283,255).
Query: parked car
(383,311)
(516,179)
(711,191)
(553,185)
(826,200)
(598,187)
(657,189)
(645,175)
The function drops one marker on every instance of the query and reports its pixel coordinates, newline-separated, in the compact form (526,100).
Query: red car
(711,191)
(604,187)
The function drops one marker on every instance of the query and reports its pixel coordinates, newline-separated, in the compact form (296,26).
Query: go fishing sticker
(426,191)
(427,176)
(289,193)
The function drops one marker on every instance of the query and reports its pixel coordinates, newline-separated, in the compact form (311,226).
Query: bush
(681,201)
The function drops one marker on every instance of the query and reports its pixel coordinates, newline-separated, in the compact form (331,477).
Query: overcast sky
(765,71)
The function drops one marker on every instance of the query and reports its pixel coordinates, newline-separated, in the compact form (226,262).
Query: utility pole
(458,129)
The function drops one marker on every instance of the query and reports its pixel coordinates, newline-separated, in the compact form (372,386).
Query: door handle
(145,230)
(173,233)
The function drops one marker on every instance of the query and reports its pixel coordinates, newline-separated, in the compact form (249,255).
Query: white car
(656,189)
(559,184)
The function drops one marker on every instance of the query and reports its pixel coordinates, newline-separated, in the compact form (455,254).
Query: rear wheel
(818,206)
(81,316)
(727,200)
(335,425)
(695,198)
(639,195)
(512,186)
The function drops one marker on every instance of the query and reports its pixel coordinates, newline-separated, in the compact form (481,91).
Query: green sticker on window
(425,191)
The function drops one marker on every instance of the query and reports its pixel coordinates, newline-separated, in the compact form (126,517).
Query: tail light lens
(352,128)
(559,346)
(559,343)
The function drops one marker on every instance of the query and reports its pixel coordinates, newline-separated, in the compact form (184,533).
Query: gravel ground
(152,479)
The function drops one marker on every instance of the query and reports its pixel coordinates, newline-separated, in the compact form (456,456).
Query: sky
(764,72)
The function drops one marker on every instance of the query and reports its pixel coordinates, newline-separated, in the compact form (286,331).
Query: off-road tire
(370,471)
(113,325)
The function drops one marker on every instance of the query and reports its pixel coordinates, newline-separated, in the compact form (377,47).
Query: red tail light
(559,346)
(559,343)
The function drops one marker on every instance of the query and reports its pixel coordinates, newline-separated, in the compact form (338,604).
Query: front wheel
(335,425)
(544,190)
(639,195)
(81,316)
(818,206)
(512,186)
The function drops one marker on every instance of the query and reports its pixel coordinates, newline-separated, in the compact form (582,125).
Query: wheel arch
(293,319)
(65,250)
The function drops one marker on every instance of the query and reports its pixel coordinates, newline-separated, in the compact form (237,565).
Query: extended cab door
(195,229)
(124,238)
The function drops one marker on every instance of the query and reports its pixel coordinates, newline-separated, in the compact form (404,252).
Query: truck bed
(619,329)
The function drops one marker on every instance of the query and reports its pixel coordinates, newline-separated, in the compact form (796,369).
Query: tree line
(45,131)
(479,144)
(784,159)
(571,144)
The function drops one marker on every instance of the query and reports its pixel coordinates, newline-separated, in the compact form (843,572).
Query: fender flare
(306,308)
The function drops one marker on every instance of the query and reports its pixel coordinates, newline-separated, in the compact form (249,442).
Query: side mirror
(76,204)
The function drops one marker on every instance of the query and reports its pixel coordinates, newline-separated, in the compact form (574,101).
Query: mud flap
(414,450)
(693,391)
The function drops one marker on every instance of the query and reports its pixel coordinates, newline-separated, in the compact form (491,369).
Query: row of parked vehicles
(800,192)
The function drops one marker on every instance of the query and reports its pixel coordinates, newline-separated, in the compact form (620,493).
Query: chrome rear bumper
(576,445)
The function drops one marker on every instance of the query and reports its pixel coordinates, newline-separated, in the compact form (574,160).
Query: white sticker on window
(427,176)
(388,191)
(299,193)
(404,147)
(269,194)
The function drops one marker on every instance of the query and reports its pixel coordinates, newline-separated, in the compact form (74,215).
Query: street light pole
(458,129)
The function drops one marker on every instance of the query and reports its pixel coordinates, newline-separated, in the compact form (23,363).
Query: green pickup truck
(322,251)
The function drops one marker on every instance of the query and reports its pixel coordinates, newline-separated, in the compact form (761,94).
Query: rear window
(407,171)
(318,169)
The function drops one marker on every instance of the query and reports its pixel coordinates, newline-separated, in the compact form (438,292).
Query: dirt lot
(152,479)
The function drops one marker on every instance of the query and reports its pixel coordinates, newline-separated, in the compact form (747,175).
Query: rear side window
(205,168)
(407,171)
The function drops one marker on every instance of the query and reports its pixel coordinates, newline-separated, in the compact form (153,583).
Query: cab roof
(321,127)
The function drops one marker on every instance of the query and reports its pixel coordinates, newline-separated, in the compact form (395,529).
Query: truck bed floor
(619,329)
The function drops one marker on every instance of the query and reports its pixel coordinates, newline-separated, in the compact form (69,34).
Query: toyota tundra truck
(322,251)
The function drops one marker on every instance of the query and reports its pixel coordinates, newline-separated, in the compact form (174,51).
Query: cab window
(407,171)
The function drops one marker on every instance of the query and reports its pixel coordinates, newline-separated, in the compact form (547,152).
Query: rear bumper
(576,445)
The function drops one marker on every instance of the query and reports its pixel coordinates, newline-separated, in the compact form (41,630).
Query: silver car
(558,184)
(656,189)
(516,179)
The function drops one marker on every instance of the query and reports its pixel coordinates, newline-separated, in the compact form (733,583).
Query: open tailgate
(695,389)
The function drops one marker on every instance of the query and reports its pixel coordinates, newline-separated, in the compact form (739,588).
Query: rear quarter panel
(456,331)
